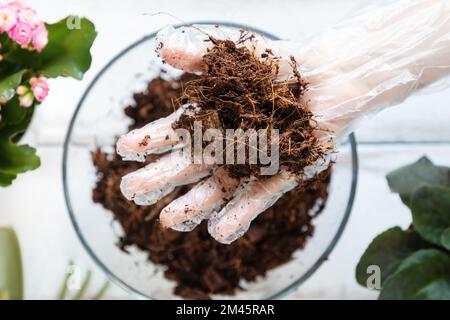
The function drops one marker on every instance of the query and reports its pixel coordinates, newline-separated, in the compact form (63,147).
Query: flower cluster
(22,25)
(31,51)
(38,91)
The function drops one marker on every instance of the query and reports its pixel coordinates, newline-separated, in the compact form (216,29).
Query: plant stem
(63,290)
(84,286)
(102,291)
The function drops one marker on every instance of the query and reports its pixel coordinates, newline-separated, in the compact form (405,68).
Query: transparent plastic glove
(375,59)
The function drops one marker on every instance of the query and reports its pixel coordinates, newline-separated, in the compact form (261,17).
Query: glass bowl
(99,119)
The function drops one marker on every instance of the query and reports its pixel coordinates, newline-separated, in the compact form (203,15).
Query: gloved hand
(373,60)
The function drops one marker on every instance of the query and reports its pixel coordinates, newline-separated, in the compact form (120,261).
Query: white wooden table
(35,207)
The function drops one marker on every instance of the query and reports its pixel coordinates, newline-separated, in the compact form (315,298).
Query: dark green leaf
(12,113)
(9,84)
(445,239)
(14,122)
(68,50)
(423,275)
(408,179)
(431,212)
(22,57)
(17,58)
(6,179)
(11,278)
(16,159)
(387,251)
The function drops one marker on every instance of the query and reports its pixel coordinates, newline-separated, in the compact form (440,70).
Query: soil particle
(144,141)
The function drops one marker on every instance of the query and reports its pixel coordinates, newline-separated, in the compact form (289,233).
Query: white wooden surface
(35,204)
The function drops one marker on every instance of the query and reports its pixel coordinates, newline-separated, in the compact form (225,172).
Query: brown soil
(238,90)
(197,263)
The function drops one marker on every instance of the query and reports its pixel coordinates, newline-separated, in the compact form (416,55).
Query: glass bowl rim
(113,277)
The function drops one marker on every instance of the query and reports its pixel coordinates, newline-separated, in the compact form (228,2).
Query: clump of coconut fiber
(239,90)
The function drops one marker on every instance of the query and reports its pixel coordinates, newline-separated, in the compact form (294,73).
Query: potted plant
(31,52)
(413,263)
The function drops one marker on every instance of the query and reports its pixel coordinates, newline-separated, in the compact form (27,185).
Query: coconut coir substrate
(198,264)
(239,90)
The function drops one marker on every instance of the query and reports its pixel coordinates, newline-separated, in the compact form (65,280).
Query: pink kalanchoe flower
(40,37)
(8,19)
(22,33)
(26,100)
(29,16)
(25,27)
(21,90)
(39,86)
(16,5)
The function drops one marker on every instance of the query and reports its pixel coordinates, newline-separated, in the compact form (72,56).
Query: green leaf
(6,179)
(16,159)
(387,251)
(67,52)
(406,180)
(11,276)
(445,238)
(22,57)
(423,275)
(431,212)
(9,84)
(13,113)
(15,120)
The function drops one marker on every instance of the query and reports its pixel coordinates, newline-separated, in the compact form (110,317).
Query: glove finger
(149,184)
(154,138)
(184,47)
(187,211)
